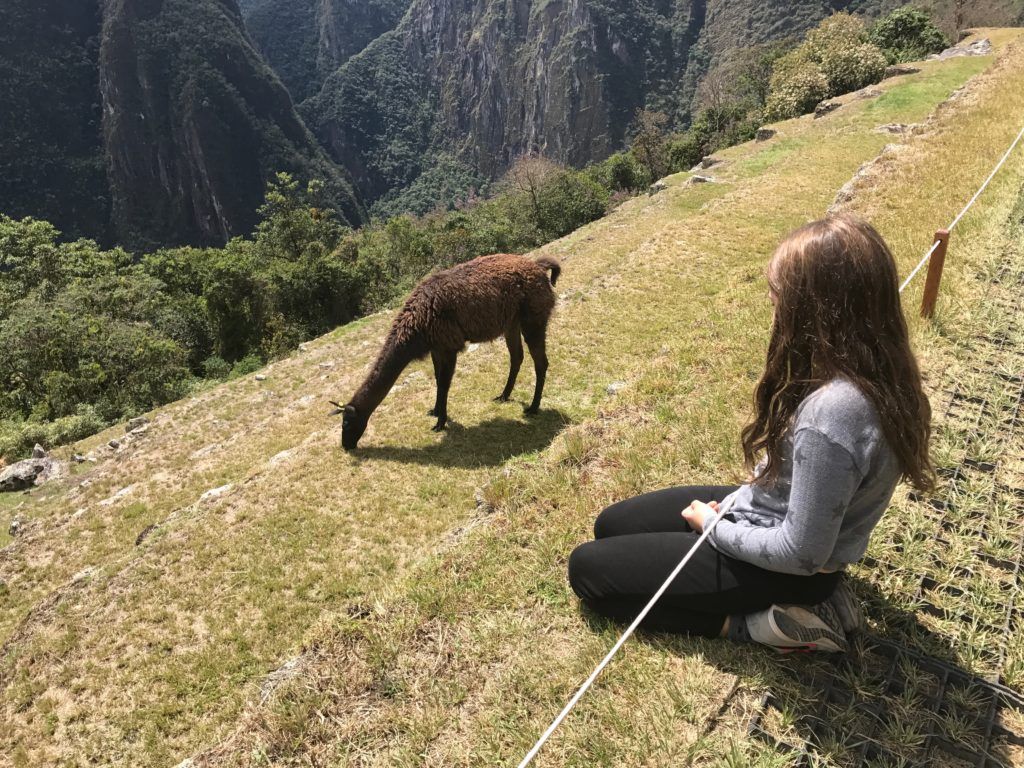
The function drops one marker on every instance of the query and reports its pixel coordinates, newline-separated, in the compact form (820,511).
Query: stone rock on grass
(23,475)
(136,424)
(38,452)
(825,107)
(699,179)
(15,527)
(216,493)
(893,128)
(900,69)
(981,47)
(763,134)
(615,387)
(656,187)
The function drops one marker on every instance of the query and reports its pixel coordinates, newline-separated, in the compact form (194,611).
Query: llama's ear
(338,408)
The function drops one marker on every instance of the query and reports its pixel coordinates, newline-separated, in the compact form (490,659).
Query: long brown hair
(837,313)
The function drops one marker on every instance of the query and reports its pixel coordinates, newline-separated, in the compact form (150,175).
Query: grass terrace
(407,604)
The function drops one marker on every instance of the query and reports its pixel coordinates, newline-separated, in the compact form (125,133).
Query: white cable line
(990,177)
(707,530)
(920,264)
(966,208)
(625,636)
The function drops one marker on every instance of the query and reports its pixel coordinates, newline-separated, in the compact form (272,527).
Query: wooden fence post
(931,284)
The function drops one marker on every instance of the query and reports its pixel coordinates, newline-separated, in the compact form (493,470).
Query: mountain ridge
(185,123)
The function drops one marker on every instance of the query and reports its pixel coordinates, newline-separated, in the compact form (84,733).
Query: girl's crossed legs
(640,540)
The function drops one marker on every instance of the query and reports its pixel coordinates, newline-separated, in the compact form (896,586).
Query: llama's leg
(437,382)
(515,359)
(444,369)
(535,340)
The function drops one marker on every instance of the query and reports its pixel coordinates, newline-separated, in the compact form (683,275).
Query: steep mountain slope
(489,80)
(158,111)
(52,163)
(306,40)
(408,617)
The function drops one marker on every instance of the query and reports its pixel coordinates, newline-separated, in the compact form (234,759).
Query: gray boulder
(38,452)
(981,47)
(22,475)
(137,423)
(700,179)
(763,134)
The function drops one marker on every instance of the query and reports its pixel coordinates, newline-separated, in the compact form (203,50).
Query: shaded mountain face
(484,81)
(492,79)
(147,122)
(306,40)
(52,163)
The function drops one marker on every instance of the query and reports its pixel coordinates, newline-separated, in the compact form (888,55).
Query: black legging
(639,542)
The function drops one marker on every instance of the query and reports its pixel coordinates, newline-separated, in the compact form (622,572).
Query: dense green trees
(835,58)
(907,34)
(89,336)
(841,55)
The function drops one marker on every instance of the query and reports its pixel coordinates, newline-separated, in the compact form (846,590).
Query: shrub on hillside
(796,88)
(567,201)
(622,172)
(648,141)
(840,30)
(17,437)
(907,34)
(850,69)
(835,58)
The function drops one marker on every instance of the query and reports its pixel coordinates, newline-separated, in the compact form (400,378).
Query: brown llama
(480,300)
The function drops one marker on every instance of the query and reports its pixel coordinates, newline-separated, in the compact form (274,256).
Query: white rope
(990,177)
(615,648)
(920,264)
(966,208)
(707,530)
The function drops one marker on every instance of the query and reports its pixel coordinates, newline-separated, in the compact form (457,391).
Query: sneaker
(847,607)
(796,628)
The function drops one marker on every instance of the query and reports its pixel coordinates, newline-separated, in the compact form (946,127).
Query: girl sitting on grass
(840,418)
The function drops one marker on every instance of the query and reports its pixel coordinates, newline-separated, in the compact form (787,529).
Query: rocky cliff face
(195,123)
(306,40)
(51,147)
(488,80)
(493,79)
(148,122)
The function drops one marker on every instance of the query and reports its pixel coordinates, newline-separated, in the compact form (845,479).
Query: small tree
(527,175)
(848,69)
(907,34)
(797,86)
(567,201)
(650,143)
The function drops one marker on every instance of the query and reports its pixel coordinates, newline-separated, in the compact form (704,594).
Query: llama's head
(353,424)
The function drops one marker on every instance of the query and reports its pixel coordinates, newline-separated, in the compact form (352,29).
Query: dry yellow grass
(417,647)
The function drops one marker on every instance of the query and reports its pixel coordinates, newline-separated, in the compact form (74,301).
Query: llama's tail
(552,265)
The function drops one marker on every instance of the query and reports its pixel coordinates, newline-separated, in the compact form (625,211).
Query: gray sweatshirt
(836,477)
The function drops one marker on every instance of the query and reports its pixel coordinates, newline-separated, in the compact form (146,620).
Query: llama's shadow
(895,699)
(486,444)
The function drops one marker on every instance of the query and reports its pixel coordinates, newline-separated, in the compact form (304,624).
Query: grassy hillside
(149,597)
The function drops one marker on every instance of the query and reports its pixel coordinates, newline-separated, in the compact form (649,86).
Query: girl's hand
(698,514)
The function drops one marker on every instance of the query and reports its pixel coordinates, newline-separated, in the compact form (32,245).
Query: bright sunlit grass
(430,630)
